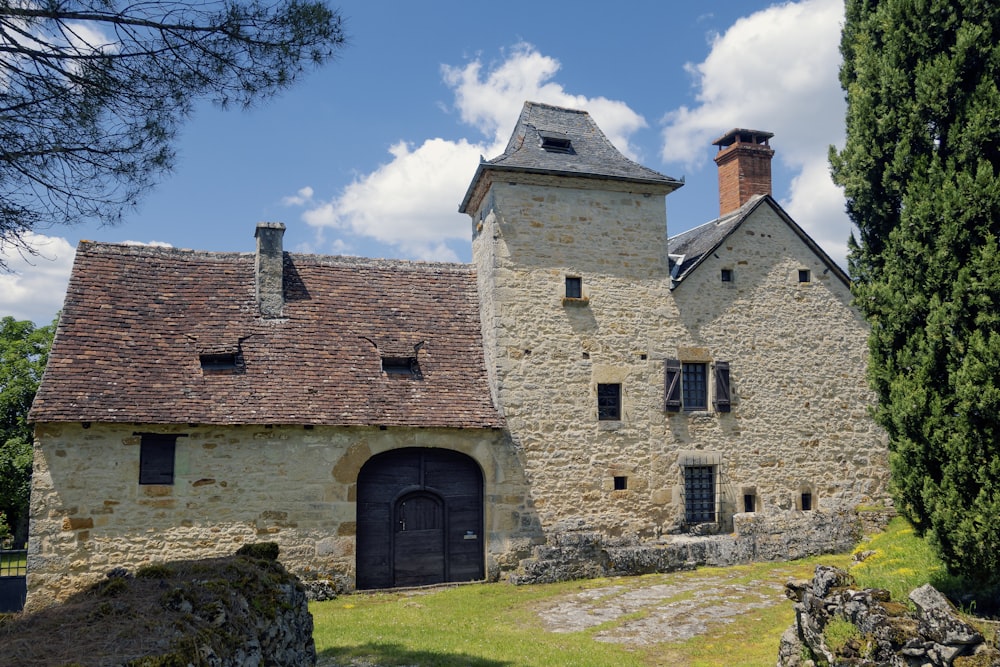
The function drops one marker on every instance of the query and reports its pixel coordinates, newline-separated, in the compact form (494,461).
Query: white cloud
(301,198)
(776,70)
(411,202)
(35,286)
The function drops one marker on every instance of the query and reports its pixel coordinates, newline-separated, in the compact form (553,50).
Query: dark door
(420,519)
(418,549)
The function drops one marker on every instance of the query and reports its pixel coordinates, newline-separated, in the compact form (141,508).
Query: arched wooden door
(420,519)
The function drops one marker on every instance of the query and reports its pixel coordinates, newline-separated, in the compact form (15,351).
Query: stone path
(672,612)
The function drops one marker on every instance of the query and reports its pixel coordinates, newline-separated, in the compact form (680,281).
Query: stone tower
(570,249)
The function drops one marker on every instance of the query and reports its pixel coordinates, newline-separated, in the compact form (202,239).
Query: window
(555,142)
(804,275)
(694,386)
(609,402)
(574,287)
(806,501)
(399,365)
(749,502)
(699,494)
(621,483)
(223,362)
(156,458)
(727,275)
(686,386)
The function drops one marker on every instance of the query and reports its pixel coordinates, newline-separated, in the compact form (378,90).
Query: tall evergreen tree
(921,172)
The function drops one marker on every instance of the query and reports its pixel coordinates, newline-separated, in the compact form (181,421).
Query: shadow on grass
(388,655)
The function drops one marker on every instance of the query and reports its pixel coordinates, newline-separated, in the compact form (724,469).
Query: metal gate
(13,580)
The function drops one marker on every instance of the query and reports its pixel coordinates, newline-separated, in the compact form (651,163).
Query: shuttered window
(156,458)
(686,386)
(694,386)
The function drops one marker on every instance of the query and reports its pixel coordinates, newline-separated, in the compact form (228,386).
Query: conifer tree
(921,172)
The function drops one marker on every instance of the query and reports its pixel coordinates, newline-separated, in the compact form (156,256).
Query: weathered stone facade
(232,486)
(615,401)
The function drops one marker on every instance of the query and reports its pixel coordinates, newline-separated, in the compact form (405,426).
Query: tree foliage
(24,351)
(92,93)
(921,171)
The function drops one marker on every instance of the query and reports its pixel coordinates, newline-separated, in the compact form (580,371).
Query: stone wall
(232,485)
(837,623)
(799,422)
(758,537)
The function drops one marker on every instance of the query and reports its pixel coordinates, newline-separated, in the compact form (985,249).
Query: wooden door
(419,519)
(418,550)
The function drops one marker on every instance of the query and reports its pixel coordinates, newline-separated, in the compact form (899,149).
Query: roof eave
(666,186)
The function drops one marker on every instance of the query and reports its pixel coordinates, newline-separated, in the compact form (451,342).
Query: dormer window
(399,366)
(219,362)
(555,142)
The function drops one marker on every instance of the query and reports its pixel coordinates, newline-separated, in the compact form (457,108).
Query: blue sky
(371,154)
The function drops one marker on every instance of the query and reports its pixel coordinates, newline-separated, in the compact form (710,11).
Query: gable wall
(233,485)
(798,355)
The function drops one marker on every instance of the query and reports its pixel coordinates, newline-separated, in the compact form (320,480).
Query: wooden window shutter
(156,459)
(672,385)
(722,401)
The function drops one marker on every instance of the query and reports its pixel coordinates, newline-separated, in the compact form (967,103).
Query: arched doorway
(420,519)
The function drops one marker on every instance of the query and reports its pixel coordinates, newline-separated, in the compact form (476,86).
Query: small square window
(609,402)
(804,276)
(621,483)
(574,287)
(156,458)
(727,275)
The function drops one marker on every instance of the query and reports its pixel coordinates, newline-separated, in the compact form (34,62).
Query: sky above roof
(371,154)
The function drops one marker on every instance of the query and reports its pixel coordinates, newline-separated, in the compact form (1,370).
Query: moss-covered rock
(225,612)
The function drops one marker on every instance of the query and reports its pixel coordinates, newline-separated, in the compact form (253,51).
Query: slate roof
(688,249)
(136,320)
(591,154)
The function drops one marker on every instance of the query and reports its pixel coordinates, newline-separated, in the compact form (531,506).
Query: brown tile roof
(136,320)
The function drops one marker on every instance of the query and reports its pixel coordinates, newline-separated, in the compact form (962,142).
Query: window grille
(699,494)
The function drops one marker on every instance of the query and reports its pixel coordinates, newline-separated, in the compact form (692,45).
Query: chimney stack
(744,161)
(269,267)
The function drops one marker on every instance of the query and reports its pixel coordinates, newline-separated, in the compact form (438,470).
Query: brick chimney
(269,267)
(744,160)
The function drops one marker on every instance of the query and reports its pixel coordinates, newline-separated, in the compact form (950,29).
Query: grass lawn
(494,625)
(500,625)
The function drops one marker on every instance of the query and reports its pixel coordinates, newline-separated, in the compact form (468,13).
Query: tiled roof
(136,320)
(688,249)
(591,154)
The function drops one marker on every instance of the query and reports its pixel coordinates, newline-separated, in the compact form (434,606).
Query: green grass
(498,625)
(494,625)
(902,561)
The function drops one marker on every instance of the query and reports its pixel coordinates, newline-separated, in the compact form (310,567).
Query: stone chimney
(744,161)
(269,267)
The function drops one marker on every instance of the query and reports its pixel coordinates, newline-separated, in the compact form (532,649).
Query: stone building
(588,397)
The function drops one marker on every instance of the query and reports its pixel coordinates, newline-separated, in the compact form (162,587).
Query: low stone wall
(838,624)
(758,537)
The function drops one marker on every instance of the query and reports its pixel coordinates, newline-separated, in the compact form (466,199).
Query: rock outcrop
(238,611)
(838,624)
